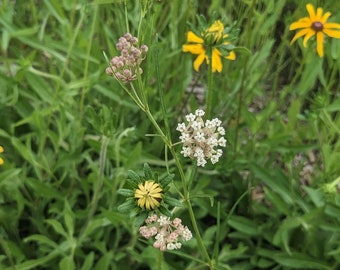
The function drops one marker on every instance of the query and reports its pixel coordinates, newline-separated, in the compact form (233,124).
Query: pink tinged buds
(128,36)
(144,49)
(134,41)
(167,233)
(126,66)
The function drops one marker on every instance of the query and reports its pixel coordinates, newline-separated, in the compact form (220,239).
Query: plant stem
(159,260)
(244,74)
(240,100)
(210,92)
(197,232)
(185,188)
(100,180)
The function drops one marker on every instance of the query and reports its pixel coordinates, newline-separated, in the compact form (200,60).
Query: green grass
(71,134)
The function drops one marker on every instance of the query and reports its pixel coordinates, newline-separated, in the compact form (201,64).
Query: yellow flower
(316,24)
(149,195)
(215,32)
(198,46)
(1,150)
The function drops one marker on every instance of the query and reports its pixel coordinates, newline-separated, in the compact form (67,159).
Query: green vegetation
(75,139)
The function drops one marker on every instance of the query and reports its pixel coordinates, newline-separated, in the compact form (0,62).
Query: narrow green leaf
(127,206)
(104,262)
(88,263)
(147,171)
(166,180)
(280,187)
(164,211)
(172,201)
(67,263)
(135,179)
(125,192)
(57,227)
(334,107)
(139,220)
(300,261)
(68,218)
(244,225)
(41,239)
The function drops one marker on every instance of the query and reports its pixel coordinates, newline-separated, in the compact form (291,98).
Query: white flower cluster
(167,233)
(200,139)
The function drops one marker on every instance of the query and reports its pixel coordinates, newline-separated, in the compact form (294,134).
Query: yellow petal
(1,149)
(154,186)
(331,25)
(300,34)
(141,202)
(1,161)
(307,37)
(140,188)
(311,11)
(216,61)
(325,17)
(193,38)
(147,203)
(193,48)
(148,186)
(154,203)
(216,27)
(319,43)
(231,56)
(319,12)
(332,33)
(139,193)
(302,23)
(156,195)
(158,189)
(216,31)
(198,61)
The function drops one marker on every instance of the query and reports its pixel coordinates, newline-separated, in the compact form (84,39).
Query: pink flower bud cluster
(166,232)
(126,66)
(201,139)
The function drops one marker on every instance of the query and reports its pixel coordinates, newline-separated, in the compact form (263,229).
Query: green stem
(197,233)
(159,260)
(297,76)
(185,188)
(99,183)
(240,101)
(126,17)
(210,92)
(135,97)
(87,61)
(244,74)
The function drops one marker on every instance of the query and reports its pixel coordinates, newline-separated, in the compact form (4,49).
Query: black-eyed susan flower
(315,25)
(148,195)
(208,46)
(1,150)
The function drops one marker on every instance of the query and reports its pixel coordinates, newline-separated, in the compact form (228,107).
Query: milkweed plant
(148,198)
(156,204)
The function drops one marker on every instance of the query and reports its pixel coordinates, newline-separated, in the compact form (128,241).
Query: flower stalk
(210,92)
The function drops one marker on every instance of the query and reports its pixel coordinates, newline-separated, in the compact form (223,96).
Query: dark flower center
(317,26)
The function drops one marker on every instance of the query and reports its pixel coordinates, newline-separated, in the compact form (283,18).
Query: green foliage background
(68,130)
